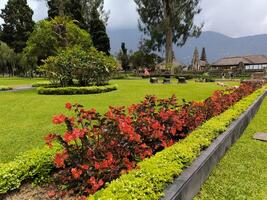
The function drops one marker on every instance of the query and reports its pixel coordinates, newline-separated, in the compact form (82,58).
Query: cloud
(231,17)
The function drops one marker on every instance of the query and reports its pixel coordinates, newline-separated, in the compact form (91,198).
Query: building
(176,64)
(199,64)
(251,63)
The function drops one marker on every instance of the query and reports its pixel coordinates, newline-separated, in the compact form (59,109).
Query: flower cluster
(99,148)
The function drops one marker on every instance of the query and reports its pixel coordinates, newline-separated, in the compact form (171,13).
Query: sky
(234,18)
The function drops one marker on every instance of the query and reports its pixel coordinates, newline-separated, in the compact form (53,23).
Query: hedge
(42,84)
(157,172)
(35,165)
(5,88)
(76,90)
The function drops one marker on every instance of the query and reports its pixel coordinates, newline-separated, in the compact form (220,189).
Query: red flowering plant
(99,148)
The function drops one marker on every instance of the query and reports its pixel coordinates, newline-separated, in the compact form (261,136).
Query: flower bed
(150,180)
(5,88)
(98,149)
(76,90)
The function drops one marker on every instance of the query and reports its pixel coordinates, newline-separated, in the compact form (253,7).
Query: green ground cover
(242,173)
(25,117)
(16,81)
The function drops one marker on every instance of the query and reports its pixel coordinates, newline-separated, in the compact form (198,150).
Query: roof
(250,59)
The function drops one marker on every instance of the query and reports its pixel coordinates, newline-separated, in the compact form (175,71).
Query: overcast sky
(231,17)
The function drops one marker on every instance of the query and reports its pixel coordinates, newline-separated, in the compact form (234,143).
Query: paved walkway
(20,88)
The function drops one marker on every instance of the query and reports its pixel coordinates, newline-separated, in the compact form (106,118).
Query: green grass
(242,173)
(26,116)
(16,81)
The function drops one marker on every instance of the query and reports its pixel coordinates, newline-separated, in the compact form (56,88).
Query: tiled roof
(250,59)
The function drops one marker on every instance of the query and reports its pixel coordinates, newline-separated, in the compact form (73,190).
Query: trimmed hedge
(157,172)
(42,84)
(33,165)
(76,90)
(5,88)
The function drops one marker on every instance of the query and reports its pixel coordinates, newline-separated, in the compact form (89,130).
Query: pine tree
(98,33)
(18,24)
(167,22)
(123,57)
(203,55)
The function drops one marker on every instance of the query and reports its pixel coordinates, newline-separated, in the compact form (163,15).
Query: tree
(167,22)
(203,55)
(18,24)
(98,33)
(7,59)
(123,57)
(90,15)
(51,36)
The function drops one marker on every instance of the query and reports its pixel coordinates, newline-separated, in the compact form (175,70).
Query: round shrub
(76,90)
(87,67)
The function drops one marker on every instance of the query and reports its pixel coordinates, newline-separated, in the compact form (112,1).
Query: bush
(42,84)
(76,90)
(90,67)
(153,175)
(99,148)
(33,165)
(5,88)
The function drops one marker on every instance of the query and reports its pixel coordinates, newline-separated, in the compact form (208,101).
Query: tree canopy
(18,24)
(167,22)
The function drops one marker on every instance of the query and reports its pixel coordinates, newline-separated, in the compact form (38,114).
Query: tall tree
(203,55)
(18,24)
(123,57)
(168,22)
(97,30)
(90,15)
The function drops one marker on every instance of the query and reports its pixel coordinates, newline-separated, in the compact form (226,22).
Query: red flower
(59,119)
(60,158)
(97,165)
(76,173)
(49,139)
(85,167)
(68,137)
(68,106)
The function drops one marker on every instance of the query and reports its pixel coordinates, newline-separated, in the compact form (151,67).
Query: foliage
(49,37)
(99,148)
(168,22)
(76,90)
(154,174)
(98,33)
(18,24)
(33,165)
(123,57)
(7,59)
(89,67)
(144,60)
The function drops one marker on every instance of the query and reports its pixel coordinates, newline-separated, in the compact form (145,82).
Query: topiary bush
(88,67)
(76,90)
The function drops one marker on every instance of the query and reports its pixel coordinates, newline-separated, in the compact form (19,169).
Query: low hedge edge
(157,172)
(76,90)
(35,165)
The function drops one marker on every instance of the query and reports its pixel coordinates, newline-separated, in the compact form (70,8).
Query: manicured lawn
(15,81)
(25,117)
(242,173)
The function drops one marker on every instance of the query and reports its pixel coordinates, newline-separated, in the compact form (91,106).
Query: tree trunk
(169,34)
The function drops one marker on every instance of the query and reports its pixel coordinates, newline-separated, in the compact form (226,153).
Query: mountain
(217,45)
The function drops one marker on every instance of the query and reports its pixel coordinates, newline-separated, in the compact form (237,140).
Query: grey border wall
(188,184)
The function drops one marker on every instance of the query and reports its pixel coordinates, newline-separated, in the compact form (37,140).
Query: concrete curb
(188,184)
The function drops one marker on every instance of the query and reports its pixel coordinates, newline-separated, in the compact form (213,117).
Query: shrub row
(99,148)
(154,174)
(5,88)
(33,165)
(42,84)
(76,90)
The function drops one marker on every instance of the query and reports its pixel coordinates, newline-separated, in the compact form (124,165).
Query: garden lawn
(26,117)
(242,173)
(16,81)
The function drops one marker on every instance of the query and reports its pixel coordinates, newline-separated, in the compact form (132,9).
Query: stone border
(188,184)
